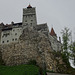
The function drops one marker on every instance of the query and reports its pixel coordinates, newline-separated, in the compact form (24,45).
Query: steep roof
(52,33)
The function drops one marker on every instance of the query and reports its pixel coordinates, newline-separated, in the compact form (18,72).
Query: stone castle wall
(32,45)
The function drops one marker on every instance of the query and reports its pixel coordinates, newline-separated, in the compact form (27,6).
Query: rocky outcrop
(32,45)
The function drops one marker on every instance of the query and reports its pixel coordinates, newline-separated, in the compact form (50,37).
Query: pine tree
(65,38)
(72,49)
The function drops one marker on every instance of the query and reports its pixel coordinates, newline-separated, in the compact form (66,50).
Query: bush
(32,62)
(65,59)
(19,70)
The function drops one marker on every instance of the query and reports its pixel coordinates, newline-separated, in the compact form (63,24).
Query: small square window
(26,24)
(25,20)
(31,23)
(15,39)
(7,40)
(2,41)
(12,39)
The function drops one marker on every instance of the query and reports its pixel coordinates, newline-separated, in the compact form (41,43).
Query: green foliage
(42,72)
(66,37)
(32,62)
(72,49)
(19,70)
(65,59)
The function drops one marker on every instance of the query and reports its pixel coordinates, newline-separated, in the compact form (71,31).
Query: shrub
(32,62)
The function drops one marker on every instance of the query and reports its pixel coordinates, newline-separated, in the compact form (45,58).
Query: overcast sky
(56,13)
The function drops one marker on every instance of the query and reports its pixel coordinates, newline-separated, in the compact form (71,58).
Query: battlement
(29,11)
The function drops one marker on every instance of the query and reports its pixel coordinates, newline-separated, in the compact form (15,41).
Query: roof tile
(52,33)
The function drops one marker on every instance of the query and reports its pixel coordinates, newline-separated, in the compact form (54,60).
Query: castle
(11,33)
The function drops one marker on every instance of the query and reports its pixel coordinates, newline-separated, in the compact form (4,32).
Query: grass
(19,70)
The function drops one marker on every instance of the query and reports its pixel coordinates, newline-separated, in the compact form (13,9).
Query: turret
(52,33)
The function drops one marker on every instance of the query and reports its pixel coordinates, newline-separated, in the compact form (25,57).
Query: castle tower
(52,33)
(29,16)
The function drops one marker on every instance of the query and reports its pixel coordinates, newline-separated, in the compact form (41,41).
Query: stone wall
(32,45)
(55,44)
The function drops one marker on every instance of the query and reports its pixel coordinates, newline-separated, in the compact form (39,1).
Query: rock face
(32,45)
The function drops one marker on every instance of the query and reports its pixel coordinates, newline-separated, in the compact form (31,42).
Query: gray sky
(56,13)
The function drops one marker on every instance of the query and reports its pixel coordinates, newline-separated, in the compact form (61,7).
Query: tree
(65,46)
(72,49)
(66,38)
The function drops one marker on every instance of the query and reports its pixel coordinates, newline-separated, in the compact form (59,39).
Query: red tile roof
(29,6)
(52,33)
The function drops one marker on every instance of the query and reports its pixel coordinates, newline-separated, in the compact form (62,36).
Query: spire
(52,33)
(29,6)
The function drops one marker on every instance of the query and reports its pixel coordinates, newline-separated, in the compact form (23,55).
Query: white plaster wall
(55,44)
(5,38)
(16,32)
(13,34)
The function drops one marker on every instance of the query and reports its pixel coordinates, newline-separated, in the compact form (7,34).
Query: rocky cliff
(32,45)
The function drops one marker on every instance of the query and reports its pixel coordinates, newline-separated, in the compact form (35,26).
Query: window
(25,20)
(31,23)
(2,41)
(15,33)
(31,20)
(26,24)
(15,39)
(7,40)
(5,35)
(12,39)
